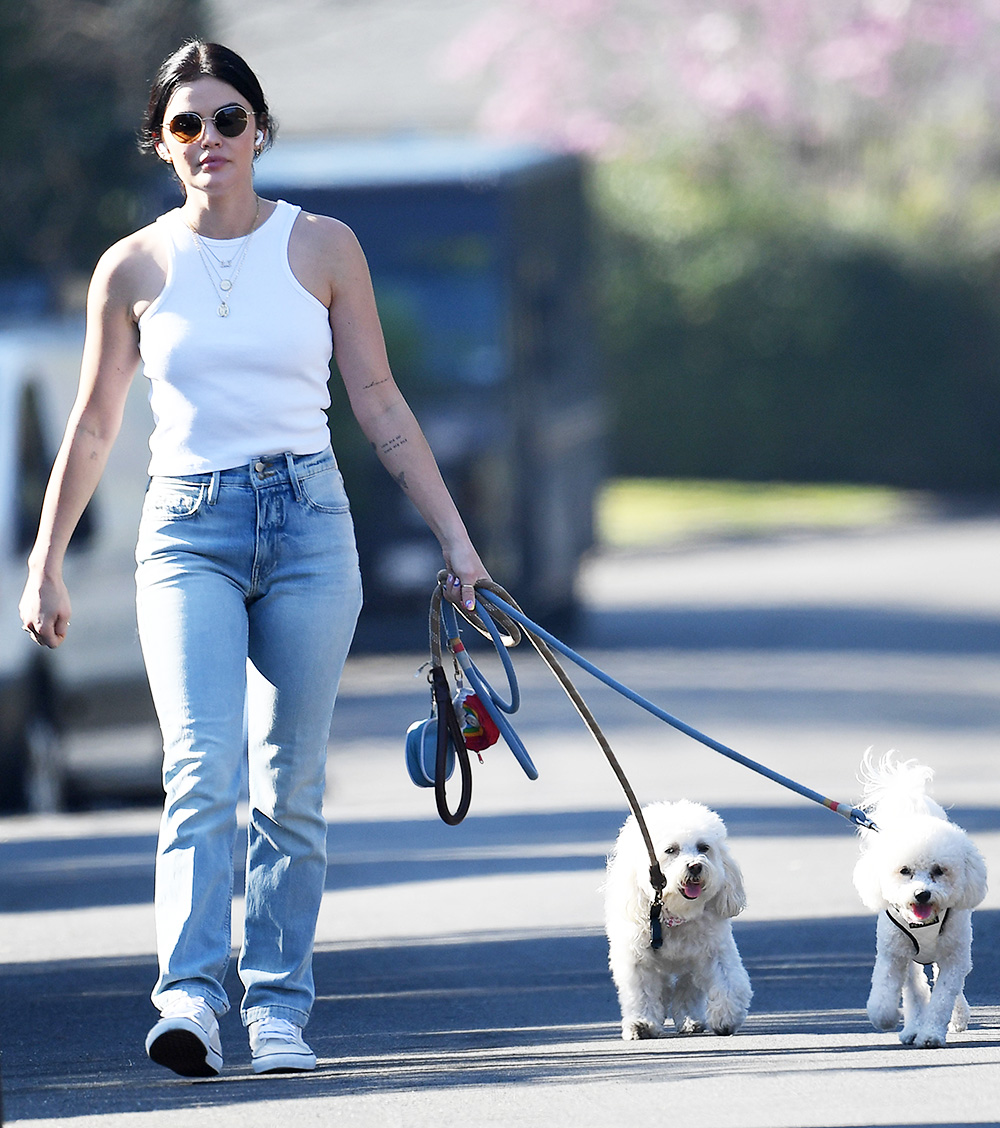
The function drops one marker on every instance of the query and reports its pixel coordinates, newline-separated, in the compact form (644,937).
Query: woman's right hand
(45,610)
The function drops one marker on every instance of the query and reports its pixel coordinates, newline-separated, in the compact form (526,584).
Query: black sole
(182,1052)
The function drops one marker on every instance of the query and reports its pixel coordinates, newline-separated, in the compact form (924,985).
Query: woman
(247,577)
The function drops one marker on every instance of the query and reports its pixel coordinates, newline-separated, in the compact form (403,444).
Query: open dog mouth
(691,890)
(926,913)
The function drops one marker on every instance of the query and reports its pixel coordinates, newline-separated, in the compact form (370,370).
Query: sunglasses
(230,121)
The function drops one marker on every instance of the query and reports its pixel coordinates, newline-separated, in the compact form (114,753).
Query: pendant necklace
(215,266)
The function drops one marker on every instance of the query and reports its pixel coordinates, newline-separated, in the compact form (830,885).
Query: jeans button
(260,467)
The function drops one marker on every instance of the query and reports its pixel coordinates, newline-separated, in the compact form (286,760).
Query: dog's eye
(905,871)
(703,847)
(671,851)
(937,871)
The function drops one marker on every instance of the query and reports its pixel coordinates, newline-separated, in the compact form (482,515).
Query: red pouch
(478,727)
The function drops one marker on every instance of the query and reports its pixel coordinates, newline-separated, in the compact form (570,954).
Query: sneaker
(277,1046)
(186,1039)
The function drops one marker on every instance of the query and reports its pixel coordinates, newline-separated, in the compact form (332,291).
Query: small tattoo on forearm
(392,444)
(375,383)
(401,480)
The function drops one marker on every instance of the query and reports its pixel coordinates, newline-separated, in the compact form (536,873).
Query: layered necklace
(223,272)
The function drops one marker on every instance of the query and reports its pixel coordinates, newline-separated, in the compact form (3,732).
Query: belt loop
(213,487)
(292,476)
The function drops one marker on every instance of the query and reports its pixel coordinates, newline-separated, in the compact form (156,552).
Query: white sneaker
(277,1046)
(186,1039)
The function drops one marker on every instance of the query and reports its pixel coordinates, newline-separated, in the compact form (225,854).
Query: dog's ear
(867,883)
(972,887)
(732,897)
(624,887)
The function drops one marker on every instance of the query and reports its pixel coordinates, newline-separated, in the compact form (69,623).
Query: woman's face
(211,162)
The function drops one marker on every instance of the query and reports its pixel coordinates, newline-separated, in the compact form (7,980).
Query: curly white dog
(696,977)
(923,875)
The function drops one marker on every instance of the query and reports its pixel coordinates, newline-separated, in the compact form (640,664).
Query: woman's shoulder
(147,242)
(325,232)
(128,265)
(325,253)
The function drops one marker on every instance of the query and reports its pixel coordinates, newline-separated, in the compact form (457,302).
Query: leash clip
(659,883)
(655,928)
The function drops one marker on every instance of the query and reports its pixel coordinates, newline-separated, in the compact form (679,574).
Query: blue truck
(479,253)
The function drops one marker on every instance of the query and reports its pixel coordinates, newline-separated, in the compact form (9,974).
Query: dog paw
(726,1023)
(691,1026)
(639,1030)
(927,1039)
(883,1019)
(959,1016)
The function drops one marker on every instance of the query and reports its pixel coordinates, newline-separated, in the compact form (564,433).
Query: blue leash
(492,596)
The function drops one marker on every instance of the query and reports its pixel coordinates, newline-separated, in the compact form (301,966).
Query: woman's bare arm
(385,416)
(110,358)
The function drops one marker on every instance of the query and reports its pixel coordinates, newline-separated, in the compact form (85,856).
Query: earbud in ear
(259,139)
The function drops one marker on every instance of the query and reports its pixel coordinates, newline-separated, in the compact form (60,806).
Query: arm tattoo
(375,383)
(385,448)
(392,444)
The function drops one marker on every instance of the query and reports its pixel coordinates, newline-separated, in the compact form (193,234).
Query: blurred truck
(97,677)
(479,257)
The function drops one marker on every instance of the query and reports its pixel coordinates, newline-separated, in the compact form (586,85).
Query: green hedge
(758,349)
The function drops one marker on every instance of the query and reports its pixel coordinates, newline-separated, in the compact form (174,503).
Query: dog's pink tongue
(922,912)
(692,890)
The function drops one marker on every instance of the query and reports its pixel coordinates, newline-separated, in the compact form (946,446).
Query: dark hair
(197,59)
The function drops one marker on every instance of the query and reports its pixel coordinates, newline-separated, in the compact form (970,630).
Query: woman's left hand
(465,570)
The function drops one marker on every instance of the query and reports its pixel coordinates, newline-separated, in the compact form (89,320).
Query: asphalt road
(462,971)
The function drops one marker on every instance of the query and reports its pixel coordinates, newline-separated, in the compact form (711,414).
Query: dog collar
(923,937)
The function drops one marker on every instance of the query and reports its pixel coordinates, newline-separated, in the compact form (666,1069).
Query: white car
(97,676)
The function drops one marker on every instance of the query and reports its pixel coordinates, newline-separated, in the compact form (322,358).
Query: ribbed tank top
(224,390)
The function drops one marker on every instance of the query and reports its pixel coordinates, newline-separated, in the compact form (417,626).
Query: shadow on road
(790,628)
(431,1016)
(88,872)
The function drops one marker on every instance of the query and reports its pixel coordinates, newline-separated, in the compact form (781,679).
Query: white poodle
(696,977)
(923,875)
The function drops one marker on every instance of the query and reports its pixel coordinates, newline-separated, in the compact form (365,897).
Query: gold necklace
(213,269)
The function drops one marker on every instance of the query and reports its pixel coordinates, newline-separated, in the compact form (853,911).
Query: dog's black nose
(694,869)
(922,897)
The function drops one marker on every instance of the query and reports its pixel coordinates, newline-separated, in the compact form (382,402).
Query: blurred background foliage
(74,79)
(798,211)
(769,341)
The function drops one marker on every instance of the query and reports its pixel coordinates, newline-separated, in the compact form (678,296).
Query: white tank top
(225,390)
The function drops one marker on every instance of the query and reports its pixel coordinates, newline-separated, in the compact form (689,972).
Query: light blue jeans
(248,593)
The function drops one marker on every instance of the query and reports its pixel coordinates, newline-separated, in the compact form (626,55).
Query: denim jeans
(248,593)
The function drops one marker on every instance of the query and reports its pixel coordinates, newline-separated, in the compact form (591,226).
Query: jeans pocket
(325,492)
(172,501)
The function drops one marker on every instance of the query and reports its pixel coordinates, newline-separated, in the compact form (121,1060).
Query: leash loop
(449,729)
(487,695)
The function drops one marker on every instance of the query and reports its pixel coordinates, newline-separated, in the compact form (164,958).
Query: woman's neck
(228,218)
